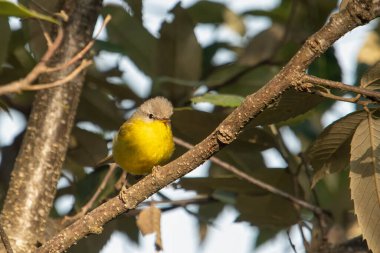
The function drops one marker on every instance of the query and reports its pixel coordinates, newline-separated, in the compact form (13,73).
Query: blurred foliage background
(203,89)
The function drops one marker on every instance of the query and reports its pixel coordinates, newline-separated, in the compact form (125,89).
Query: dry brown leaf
(365,179)
(370,52)
(149,221)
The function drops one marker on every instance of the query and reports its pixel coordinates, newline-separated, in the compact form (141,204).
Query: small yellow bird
(145,139)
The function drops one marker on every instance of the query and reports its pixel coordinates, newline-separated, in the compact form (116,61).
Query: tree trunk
(37,168)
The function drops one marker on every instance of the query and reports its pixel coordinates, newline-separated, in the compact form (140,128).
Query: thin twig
(90,203)
(5,240)
(81,53)
(84,64)
(41,67)
(284,151)
(182,202)
(354,100)
(290,241)
(338,85)
(306,165)
(258,183)
(304,240)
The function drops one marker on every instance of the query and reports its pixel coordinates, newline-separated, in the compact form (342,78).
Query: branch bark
(37,168)
(341,86)
(357,13)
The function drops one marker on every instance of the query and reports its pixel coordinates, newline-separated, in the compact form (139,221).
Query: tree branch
(25,84)
(338,85)
(5,240)
(258,183)
(357,13)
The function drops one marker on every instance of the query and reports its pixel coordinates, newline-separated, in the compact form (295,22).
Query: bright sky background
(179,230)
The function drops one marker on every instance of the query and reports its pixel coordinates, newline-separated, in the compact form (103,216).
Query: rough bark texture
(37,168)
(356,14)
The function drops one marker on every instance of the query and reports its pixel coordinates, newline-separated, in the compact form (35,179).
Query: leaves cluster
(186,72)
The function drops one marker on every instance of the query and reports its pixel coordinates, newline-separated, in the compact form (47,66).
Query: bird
(145,140)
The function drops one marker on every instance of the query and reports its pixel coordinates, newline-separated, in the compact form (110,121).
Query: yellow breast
(140,145)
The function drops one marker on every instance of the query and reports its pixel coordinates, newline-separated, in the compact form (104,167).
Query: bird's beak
(166,121)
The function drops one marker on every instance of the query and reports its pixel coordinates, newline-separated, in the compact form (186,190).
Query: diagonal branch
(315,209)
(357,13)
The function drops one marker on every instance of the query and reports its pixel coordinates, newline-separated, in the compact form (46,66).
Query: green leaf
(224,100)
(240,80)
(118,91)
(5,108)
(268,211)
(87,186)
(371,77)
(126,225)
(87,148)
(251,201)
(326,66)
(194,126)
(4,40)
(265,234)
(365,179)
(263,46)
(207,185)
(290,104)
(130,36)
(179,55)
(8,8)
(209,12)
(330,152)
(136,6)
(98,108)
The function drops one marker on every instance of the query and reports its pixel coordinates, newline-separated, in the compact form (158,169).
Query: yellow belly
(140,145)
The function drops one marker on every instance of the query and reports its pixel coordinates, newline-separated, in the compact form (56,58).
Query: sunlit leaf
(330,152)
(365,179)
(224,100)
(8,8)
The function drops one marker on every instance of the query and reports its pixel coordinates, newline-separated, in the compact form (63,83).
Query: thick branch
(357,13)
(37,168)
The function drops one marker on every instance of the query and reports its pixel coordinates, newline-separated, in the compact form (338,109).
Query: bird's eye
(150,116)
